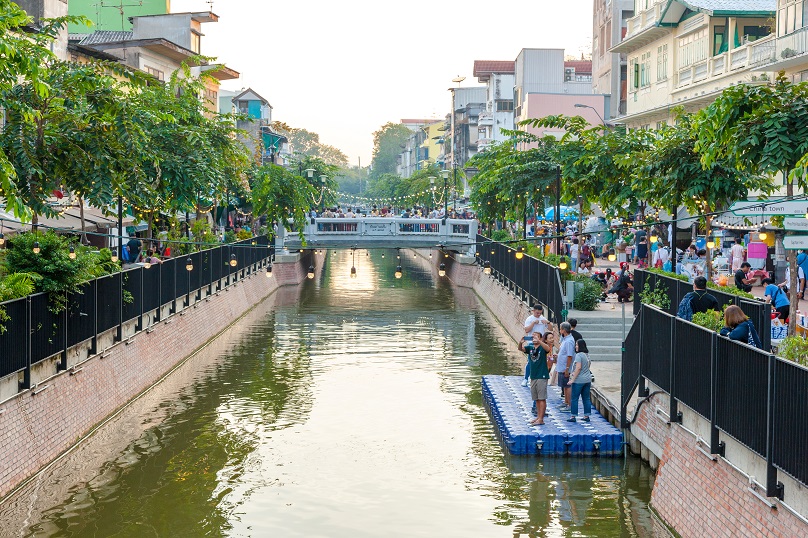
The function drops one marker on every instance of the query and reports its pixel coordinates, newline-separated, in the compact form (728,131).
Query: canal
(349,408)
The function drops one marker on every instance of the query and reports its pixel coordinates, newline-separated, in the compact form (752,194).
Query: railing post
(642,390)
(62,364)
(773,487)
(716,446)
(119,330)
(140,317)
(158,315)
(94,342)
(26,380)
(674,414)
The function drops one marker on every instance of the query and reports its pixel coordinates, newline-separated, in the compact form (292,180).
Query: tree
(676,176)
(281,195)
(387,143)
(511,182)
(762,129)
(305,143)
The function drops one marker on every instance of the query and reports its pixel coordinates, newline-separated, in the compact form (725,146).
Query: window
(156,73)
(195,42)
(645,70)
(753,33)
(719,40)
(595,49)
(792,15)
(693,48)
(662,63)
(635,75)
(661,124)
(504,106)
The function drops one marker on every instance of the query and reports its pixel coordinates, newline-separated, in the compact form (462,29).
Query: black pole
(120,228)
(454,185)
(558,211)
(445,196)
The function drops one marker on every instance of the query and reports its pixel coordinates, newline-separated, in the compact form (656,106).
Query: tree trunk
(709,268)
(791,258)
(83,225)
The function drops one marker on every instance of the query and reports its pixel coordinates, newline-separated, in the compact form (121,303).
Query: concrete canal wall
(40,424)
(695,494)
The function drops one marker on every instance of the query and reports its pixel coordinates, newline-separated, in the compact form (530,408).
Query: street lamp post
(454,186)
(432,188)
(579,105)
(558,211)
(445,174)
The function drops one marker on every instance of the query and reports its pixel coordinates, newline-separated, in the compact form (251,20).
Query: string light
(487,267)
(763,236)
(442,270)
(72,253)
(36,248)
(563,263)
(147,264)
(233,260)
(612,255)
(398,271)
(520,252)
(310,274)
(269,271)
(189,265)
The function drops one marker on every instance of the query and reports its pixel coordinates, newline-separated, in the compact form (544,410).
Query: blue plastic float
(510,406)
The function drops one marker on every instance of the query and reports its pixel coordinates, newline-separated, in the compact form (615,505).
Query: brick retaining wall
(699,496)
(38,425)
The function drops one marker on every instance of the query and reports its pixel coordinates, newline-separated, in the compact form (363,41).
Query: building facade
(609,70)
(791,45)
(48,9)
(498,77)
(684,53)
(159,45)
(546,84)
(113,14)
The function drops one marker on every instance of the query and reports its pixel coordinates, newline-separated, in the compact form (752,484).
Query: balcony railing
(795,41)
(752,54)
(485,119)
(644,20)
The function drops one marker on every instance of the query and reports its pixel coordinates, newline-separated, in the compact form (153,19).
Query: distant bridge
(382,232)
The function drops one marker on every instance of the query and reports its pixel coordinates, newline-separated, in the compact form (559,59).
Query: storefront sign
(795,242)
(749,208)
(797,224)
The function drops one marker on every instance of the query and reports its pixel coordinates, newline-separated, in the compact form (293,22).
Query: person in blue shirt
(802,262)
(777,297)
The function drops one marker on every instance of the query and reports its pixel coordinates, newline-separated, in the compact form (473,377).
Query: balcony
(793,44)
(485,119)
(643,29)
(745,57)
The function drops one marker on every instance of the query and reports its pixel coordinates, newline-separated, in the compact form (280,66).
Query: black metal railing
(532,280)
(33,332)
(758,311)
(746,393)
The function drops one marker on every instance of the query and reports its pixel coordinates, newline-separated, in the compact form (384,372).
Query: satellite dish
(458,79)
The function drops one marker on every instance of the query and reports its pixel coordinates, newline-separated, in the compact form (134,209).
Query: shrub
(588,295)
(657,296)
(668,274)
(713,320)
(501,235)
(732,290)
(794,348)
(243,234)
(12,287)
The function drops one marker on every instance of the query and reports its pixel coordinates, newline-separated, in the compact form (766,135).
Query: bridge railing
(454,234)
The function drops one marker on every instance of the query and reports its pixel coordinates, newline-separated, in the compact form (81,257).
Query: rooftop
(483,69)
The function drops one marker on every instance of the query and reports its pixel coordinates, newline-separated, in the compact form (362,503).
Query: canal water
(348,408)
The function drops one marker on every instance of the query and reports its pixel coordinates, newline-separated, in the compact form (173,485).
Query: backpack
(585,251)
(125,254)
(685,307)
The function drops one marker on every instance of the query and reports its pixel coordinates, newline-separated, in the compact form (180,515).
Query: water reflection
(356,411)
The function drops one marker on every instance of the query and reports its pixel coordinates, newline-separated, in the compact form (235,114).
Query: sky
(344,68)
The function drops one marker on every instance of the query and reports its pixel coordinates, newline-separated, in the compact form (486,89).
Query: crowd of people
(567,363)
(415,212)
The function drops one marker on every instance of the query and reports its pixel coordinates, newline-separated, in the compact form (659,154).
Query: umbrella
(567,213)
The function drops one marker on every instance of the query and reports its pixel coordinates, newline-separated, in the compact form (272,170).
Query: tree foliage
(305,143)
(387,143)
(281,195)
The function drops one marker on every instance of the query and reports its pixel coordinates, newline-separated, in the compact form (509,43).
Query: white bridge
(381,232)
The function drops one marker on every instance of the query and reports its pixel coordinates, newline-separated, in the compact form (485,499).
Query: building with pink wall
(539,105)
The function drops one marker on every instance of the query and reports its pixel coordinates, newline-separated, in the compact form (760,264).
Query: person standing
(741,282)
(580,381)
(574,324)
(736,253)
(540,361)
(777,297)
(642,252)
(566,353)
(574,255)
(802,262)
(638,235)
(535,323)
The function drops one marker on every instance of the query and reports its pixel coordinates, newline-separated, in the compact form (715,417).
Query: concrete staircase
(603,332)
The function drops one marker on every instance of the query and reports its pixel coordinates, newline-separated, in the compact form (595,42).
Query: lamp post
(445,174)
(432,188)
(558,211)
(579,105)
(454,186)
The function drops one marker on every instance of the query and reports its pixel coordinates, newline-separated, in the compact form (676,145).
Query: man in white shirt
(535,323)
(566,352)
(574,255)
(661,255)
(800,279)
